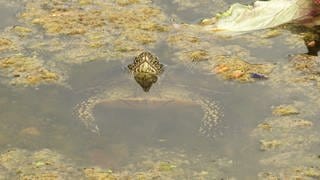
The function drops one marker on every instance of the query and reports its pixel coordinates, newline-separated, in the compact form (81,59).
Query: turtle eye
(136,60)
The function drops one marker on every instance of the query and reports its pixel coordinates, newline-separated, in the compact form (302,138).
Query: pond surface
(154,134)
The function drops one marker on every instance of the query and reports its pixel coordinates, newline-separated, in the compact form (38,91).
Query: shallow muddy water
(194,123)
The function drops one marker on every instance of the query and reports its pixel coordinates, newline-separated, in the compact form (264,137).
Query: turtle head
(146,68)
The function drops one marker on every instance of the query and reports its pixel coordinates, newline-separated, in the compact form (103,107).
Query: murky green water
(135,136)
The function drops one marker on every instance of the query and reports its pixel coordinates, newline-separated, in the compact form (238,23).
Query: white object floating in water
(263,14)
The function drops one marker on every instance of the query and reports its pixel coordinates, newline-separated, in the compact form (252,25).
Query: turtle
(146,68)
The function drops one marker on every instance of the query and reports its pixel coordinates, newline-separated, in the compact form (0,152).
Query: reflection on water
(8,13)
(158,131)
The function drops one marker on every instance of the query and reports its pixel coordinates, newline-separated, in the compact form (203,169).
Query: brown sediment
(233,68)
(21,70)
(97,29)
(148,163)
(5,44)
(285,110)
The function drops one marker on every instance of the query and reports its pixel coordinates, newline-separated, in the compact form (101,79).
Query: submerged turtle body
(154,99)
(146,67)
